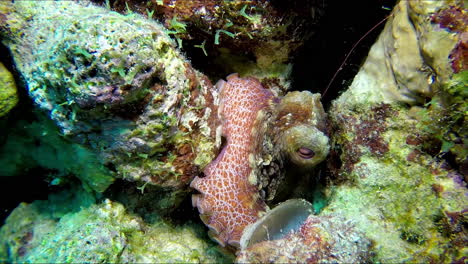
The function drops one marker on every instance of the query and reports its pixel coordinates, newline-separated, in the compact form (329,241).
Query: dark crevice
(144,200)
(27,187)
(343,24)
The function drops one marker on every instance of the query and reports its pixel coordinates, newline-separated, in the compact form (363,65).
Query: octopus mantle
(255,125)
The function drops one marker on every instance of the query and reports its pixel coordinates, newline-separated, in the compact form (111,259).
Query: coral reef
(290,234)
(252,119)
(115,85)
(255,38)
(126,104)
(397,193)
(103,232)
(115,101)
(395,133)
(8,93)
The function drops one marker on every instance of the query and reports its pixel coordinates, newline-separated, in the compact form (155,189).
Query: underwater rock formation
(262,133)
(267,32)
(399,138)
(125,103)
(59,231)
(8,93)
(411,60)
(131,104)
(116,85)
(128,105)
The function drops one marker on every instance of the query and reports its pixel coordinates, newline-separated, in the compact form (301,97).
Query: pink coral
(229,199)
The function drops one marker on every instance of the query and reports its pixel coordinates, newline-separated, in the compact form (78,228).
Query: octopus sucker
(195,199)
(214,236)
(256,138)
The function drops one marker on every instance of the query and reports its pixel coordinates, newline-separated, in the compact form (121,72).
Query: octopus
(262,133)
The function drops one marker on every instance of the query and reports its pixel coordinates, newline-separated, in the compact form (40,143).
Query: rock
(253,38)
(8,93)
(393,132)
(115,85)
(410,60)
(103,232)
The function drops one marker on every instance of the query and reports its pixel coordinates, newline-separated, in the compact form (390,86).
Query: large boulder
(399,138)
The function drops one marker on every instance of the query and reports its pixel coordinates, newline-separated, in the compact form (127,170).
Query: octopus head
(305,145)
(301,125)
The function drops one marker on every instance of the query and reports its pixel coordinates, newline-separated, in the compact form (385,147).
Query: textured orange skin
(228,202)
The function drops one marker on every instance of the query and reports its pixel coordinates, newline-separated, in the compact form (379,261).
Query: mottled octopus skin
(228,201)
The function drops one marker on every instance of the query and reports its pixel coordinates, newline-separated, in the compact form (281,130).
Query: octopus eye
(306,153)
